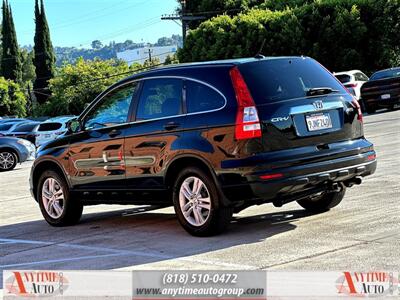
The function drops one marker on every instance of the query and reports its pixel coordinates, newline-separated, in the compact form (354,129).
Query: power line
(92,16)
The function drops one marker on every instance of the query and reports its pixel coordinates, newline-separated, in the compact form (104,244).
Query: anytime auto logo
(367,284)
(36,283)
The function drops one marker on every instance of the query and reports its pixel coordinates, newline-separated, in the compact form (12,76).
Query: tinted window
(113,108)
(281,79)
(386,74)
(361,77)
(25,127)
(5,127)
(343,78)
(160,98)
(49,126)
(200,97)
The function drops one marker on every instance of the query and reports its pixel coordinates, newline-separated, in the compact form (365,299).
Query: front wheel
(323,202)
(8,160)
(196,203)
(55,202)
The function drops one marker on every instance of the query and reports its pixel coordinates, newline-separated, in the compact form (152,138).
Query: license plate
(47,135)
(385,96)
(318,122)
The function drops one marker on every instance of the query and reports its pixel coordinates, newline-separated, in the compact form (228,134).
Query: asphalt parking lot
(363,233)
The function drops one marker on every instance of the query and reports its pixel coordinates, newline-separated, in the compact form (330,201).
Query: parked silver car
(13,151)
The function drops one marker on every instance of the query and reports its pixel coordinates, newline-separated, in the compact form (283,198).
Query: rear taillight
(247,122)
(357,106)
(351,85)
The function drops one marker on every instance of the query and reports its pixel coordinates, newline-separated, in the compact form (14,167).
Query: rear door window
(361,77)
(274,80)
(49,126)
(200,97)
(160,98)
(343,78)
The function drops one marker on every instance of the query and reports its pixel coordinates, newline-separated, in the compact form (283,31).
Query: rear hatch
(300,103)
(48,131)
(383,89)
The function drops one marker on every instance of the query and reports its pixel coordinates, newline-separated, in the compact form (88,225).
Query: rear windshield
(343,78)
(25,128)
(386,74)
(5,127)
(49,126)
(282,79)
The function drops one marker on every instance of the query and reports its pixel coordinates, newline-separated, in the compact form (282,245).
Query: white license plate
(385,96)
(47,135)
(318,122)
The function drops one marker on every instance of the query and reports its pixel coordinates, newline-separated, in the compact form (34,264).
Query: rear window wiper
(320,91)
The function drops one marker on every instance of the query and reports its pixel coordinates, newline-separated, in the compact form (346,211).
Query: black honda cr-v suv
(212,139)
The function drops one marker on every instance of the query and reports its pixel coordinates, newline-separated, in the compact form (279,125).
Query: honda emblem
(318,105)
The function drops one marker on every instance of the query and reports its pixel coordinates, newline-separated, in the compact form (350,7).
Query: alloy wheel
(53,198)
(194,201)
(7,160)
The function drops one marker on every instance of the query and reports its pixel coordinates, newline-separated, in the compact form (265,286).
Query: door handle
(171,125)
(114,132)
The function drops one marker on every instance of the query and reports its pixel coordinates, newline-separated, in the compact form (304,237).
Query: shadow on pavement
(126,238)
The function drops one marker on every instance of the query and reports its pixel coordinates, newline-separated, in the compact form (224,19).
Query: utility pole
(150,51)
(184,18)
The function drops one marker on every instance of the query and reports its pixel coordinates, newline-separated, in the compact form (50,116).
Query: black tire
(9,155)
(323,203)
(219,216)
(370,109)
(72,208)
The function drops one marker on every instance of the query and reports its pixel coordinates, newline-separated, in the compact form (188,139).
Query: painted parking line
(50,261)
(113,252)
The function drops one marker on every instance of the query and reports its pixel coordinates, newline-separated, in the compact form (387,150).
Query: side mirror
(74,126)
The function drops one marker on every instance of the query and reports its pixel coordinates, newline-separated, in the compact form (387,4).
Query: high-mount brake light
(247,122)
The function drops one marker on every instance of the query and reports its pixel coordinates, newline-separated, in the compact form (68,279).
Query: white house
(140,55)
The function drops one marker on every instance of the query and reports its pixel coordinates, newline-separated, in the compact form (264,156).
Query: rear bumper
(296,179)
(271,189)
(378,102)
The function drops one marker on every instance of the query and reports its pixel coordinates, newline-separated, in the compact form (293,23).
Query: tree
(10,61)
(44,54)
(79,84)
(12,99)
(28,69)
(341,34)
(97,44)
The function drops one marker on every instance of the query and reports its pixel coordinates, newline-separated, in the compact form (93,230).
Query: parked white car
(353,79)
(51,129)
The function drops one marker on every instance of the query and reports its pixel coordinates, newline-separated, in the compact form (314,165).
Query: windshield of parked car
(343,78)
(386,74)
(25,127)
(274,80)
(5,127)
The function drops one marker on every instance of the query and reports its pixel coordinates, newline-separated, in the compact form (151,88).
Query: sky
(78,22)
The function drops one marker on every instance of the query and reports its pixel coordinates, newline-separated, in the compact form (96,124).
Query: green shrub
(341,34)
(12,99)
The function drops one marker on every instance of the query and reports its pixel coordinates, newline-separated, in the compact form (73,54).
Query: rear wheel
(8,160)
(196,203)
(55,203)
(370,109)
(324,202)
